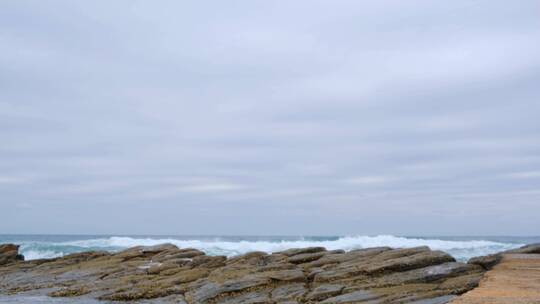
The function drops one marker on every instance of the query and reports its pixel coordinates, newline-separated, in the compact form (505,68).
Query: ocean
(460,247)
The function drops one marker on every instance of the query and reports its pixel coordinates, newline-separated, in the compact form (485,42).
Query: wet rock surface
(168,274)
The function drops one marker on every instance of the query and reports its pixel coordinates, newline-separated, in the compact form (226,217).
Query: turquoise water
(461,247)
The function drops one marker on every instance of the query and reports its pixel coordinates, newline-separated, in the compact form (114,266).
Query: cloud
(12,180)
(368,180)
(525,174)
(210,188)
(196,189)
(388,110)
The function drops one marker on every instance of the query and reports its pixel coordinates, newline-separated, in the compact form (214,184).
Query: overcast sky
(270,117)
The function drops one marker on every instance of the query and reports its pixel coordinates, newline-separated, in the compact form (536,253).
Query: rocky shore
(168,274)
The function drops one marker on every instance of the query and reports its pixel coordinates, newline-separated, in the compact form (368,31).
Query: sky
(270,117)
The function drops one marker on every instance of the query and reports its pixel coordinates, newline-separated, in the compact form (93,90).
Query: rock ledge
(166,273)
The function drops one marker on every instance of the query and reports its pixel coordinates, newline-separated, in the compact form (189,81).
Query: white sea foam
(461,250)
(41,254)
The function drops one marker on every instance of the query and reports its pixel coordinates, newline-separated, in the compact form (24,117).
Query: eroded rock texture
(166,273)
(9,253)
(489,261)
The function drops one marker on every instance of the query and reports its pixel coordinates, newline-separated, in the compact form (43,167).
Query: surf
(232,246)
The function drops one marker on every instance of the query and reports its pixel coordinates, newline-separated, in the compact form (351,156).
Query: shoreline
(168,274)
(462,248)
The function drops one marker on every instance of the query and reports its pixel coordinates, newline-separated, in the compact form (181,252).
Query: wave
(461,250)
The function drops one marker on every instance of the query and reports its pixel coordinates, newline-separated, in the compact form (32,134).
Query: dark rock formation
(166,273)
(532,248)
(9,253)
(488,261)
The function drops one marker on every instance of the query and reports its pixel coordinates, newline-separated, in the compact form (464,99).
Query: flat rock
(166,273)
(532,248)
(289,275)
(305,257)
(417,260)
(353,297)
(289,292)
(487,262)
(324,291)
(295,251)
(257,297)
(157,248)
(437,300)
(212,290)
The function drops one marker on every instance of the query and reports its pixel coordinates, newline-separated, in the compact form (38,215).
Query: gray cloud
(305,117)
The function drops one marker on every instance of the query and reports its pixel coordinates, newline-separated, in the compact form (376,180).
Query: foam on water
(40,254)
(460,249)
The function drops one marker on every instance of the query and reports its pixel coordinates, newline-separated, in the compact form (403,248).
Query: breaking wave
(460,249)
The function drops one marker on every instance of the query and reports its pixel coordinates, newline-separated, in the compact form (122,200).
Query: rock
(9,253)
(295,251)
(461,284)
(427,274)
(353,297)
(177,254)
(179,261)
(157,248)
(289,275)
(348,256)
(208,261)
(289,292)
(166,273)
(256,297)
(437,300)
(212,290)
(402,252)
(384,262)
(325,291)
(528,249)
(4,248)
(407,262)
(69,292)
(305,257)
(188,275)
(160,267)
(139,293)
(487,262)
